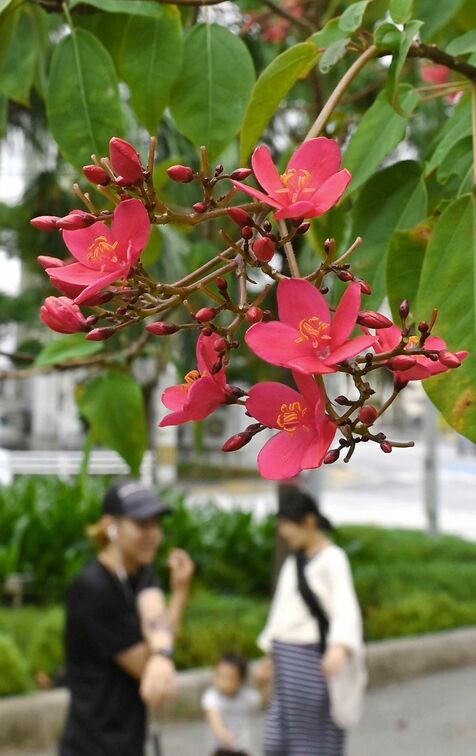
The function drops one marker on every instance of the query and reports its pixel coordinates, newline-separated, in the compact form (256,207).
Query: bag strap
(311,601)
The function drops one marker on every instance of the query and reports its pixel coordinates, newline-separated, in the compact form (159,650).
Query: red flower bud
(49,262)
(247,232)
(100,334)
(95,174)
(125,161)
(448,359)
(45,222)
(222,285)
(237,441)
(368,415)
(263,249)
(401,362)
(159,328)
(371,319)
(404,309)
(204,314)
(303,228)
(398,384)
(331,456)
(241,174)
(235,391)
(180,173)
(62,315)
(343,401)
(75,220)
(254,314)
(344,275)
(365,288)
(423,326)
(239,216)
(92,320)
(200,207)
(386,447)
(220,345)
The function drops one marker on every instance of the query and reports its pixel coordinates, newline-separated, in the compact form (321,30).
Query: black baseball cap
(131,498)
(294,504)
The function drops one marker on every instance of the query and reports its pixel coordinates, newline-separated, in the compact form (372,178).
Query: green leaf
(67,348)
(436,16)
(457,162)
(405,259)
(3,115)
(401,10)
(8,22)
(352,17)
(387,36)
(448,283)
(457,127)
(378,133)
(147,8)
(394,199)
(212,92)
(18,70)
(407,37)
(462,45)
(113,405)
(272,86)
(333,54)
(3,4)
(83,103)
(151,58)
(329,33)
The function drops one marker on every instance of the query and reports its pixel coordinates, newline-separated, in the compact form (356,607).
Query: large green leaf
(334,53)
(18,70)
(401,10)
(436,15)
(378,133)
(329,34)
(463,45)
(395,199)
(66,349)
(113,405)
(352,17)
(404,263)
(151,58)
(272,86)
(83,104)
(212,92)
(148,8)
(8,22)
(448,282)
(457,127)
(3,4)
(407,37)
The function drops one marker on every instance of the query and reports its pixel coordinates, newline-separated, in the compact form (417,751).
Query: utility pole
(431,492)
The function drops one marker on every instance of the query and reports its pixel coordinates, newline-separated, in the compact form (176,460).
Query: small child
(228,705)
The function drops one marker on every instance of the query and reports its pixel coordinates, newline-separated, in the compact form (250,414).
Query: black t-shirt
(106,716)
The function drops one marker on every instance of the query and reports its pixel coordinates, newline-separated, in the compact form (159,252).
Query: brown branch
(303,23)
(432,52)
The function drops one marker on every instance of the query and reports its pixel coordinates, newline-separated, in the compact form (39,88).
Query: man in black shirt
(119,631)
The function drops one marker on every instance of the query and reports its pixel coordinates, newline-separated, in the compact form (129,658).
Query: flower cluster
(306,336)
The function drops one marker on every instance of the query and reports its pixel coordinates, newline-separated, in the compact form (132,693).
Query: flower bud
(183,174)
(125,161)
(49,262)
(159,328)
(45,222)
(204,314)
(235,391)
(207,331)
(344,275)
(220,345)
(423,326)
(217,366)
(398,384)
(200,207)
(222,285)
(241,174)
(239,216)
(75,220)
(62,315)
(100,334)
(448,359)
(237,441)
(368,414)
(386,447)
(404,309)
(247,232)
(343,401)
(254,314)
(91,320)
(401,362)
(303,228)
(95,174)
(331,456)
(371,319)
(365,288)
(263,249)
(219,169)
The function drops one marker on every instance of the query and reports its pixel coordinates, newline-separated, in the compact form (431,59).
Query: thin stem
(289,251)
(349,251)
(150,159)
(278,10)
(473,111)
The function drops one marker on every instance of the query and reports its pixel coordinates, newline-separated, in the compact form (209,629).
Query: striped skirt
(298,721)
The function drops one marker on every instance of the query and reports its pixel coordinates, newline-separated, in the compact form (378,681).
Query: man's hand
(334,659)
(157,682)
(181,569)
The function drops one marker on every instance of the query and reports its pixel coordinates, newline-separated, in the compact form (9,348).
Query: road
(428,716)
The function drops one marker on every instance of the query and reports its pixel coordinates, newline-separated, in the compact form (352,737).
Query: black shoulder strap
(311,601)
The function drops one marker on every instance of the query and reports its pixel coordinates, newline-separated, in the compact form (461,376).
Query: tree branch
(432,52)
(278,10)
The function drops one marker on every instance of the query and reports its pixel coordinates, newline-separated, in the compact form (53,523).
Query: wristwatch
(168,653)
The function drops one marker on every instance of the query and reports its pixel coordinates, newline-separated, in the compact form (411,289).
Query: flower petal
(320,156)
(174,397)
(265,170)
(350,349)
(345,316)
(299,300)
(310,364)
(275,342)
(387,339)
(308,387)
(130,224)
(79,242)
(316,451)
(299,209)
(100,283)
(266,399)
(203,398)
(207,357)
(75,273)
(281,456)
(256,194)
(330,192)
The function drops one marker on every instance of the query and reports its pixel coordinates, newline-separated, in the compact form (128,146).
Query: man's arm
(181,572)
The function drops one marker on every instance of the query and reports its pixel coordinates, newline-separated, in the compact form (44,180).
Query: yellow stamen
(313,330)
(101,248)
(190,378)
(296,182)
(291,416)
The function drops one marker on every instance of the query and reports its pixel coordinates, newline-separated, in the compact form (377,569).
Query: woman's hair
(237,661)
(97,532)
(295,504)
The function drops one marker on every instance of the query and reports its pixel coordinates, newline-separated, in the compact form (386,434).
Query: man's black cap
(131,498)
(294,504)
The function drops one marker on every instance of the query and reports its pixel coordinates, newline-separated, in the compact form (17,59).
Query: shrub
(45,652)
(13,669)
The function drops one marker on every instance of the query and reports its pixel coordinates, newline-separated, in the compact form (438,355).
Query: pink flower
(305,338)
(311,184)
(202,392)
(62,315)
(388,339)
(434,73)
(306,432)
(103,254)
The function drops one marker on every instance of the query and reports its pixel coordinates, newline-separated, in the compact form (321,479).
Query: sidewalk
(428,716)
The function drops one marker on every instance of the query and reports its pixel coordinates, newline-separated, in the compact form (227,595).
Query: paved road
(429,716)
